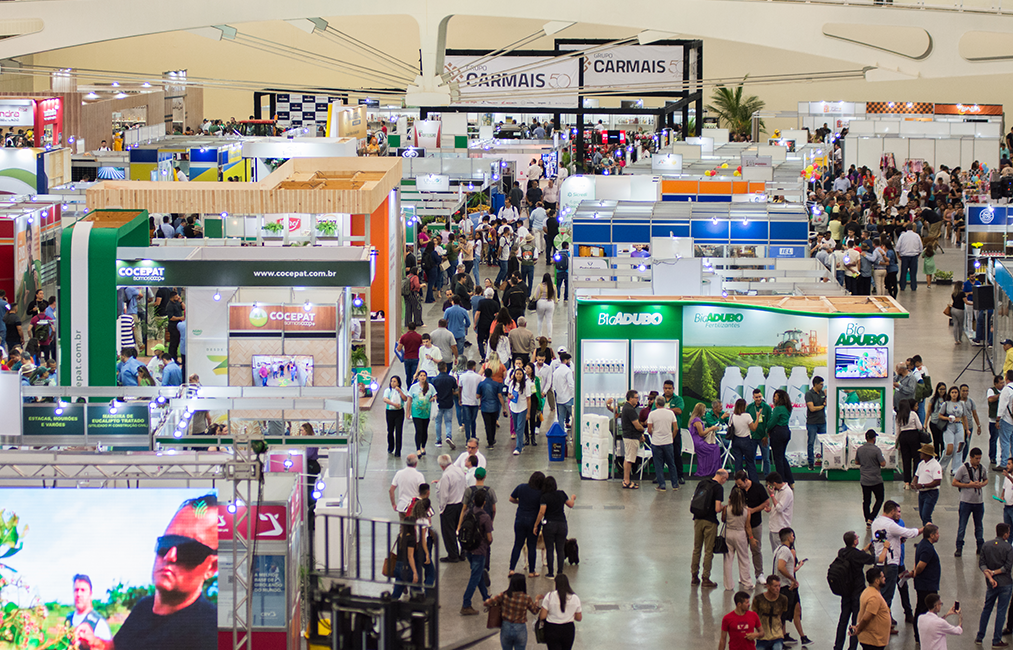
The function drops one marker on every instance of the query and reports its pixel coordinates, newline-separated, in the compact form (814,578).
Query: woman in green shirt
(780,434)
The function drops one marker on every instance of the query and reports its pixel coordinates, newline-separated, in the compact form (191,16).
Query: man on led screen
(178,615)
(90,629)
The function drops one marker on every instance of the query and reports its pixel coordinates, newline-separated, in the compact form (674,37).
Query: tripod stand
(985,358)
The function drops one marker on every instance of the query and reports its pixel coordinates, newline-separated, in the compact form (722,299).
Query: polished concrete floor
(635,546)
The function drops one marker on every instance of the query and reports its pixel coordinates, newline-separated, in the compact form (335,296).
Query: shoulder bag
(720,543)
(495,619)
(946,310)
(389,563)
(539,631)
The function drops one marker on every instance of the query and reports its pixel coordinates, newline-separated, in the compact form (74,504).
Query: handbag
(532,305)
(946,310)
(388,565)
(495,617)
(539,631)
(720,543)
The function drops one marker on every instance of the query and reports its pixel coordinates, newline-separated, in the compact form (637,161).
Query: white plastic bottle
(776,380)
(754,379)
(731,386)
(798,384)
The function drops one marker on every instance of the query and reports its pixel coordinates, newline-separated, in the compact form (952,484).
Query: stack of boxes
(596,443)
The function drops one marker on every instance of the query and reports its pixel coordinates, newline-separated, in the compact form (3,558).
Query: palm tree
(735,111)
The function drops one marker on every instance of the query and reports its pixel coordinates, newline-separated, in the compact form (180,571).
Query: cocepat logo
(622,318)
(855,334)
(142,273)
(718,318)
(296,318)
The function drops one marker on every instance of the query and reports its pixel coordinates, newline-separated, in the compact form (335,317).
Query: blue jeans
(563,277)
(513,636)
(1007,516)
(890,572)
(474,271)
(744,456)
(926,504)
(1005,438)
(765,454)
(523,534)
(470,417)
(502,275)
(444,416)
(563,412)
(410,368)
(477,567)
(528,274)
(664,456)
(977,510)
(813,430)
(519,421)
(773,644)
(1001,594)
(909,263)
(993,440)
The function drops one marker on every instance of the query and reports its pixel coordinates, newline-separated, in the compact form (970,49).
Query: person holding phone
(934,628)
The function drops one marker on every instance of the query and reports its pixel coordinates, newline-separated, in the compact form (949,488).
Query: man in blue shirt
(490,392)
(4,308)
(126,369)
(458,322)
(172,374)
(446,387)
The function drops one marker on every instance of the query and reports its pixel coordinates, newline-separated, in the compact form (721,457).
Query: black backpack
(571,551)
(839,577)
(470,534)
(702,503)
(563,263)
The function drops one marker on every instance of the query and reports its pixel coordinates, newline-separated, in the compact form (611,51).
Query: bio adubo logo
(623,318)
(854,334)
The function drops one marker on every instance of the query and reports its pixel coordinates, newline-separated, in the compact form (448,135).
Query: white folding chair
(687,448)
(726,447)
(645,453)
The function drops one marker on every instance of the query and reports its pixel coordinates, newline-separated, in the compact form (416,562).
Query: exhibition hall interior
(441,325)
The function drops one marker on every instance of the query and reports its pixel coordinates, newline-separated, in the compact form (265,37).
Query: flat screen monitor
(282,370)
(861,363)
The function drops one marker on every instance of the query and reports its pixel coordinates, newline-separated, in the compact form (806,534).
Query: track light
(217,296)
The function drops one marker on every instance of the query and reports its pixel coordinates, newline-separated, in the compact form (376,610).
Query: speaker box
(984,297)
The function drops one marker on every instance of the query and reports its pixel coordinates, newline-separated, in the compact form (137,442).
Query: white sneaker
(516,453)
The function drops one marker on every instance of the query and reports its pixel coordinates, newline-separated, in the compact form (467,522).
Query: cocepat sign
(286,318)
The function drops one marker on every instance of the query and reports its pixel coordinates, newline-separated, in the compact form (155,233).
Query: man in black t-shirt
(633,435)
(705,527)
(756,501)
(178,615)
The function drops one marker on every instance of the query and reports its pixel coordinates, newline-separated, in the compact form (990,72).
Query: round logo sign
(258,317)
(986,216)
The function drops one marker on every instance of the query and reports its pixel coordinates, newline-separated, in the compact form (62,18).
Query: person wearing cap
(157,363)
(1007,364)
(528,254)
(928,477)
(870,463)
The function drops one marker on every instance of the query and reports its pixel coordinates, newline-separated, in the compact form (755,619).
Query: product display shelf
(604,374)
(654,363)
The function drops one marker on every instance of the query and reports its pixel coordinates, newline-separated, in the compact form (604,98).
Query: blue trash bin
(556,439)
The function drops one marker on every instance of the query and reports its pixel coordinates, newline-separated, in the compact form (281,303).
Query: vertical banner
(427,134)
(79,311)
(209,359)
(27,259)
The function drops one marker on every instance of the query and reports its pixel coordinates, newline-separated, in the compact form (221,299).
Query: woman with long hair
(740,431)
(503,318)
(545,306)
(705,444)
(494,364)
(892,267)
(519,391)
(413,297)
(560,608)
(552,519)
(957,306)
(780,435)
(420,403)
(932,422)
(499,342)
(413,552)
(739,535)
(954,420)
(515,603)
(909,429)
(394,398)
(430,268)
(528,497)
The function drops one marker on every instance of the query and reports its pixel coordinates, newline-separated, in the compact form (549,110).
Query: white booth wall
(949,143)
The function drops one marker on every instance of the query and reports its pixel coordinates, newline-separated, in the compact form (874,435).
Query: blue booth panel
(673,229)
(631,232)
(598,232)
(798,231)
(753,231)
(707,229)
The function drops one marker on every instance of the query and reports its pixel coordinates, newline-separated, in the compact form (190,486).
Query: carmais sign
(855,334)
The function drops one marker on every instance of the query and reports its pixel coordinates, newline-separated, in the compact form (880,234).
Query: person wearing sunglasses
(178,615)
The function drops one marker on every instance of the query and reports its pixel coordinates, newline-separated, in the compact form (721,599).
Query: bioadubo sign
(855,334)
(624,318)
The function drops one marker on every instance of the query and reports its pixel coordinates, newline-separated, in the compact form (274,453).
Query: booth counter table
(724,348)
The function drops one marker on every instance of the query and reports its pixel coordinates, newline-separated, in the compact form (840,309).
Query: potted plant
(943,277)
(273,229)
(327,228)
(359,358)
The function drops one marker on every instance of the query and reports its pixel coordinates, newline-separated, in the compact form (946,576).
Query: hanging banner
(17,112)
(632,64)
(287,318)
(128,420)
(204,273)
(42,420)
(537,80)
(208,359)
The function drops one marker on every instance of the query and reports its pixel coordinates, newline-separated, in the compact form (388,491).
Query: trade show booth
(716,348)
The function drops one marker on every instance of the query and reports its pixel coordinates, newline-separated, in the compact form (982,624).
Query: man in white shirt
(563,386)
(405,485)
(908,248)
(450,496)
(1004,417)
(470,401)
(782,503)
(927,479)
(538,217)
(534,171)
(472,450)
(662,426)
(430,356)
(544,374)
(933,628)
(895,534)
(508,212)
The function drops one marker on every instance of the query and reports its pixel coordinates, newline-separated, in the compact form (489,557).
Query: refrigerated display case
(654,363)
(604,374)
(860,409)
